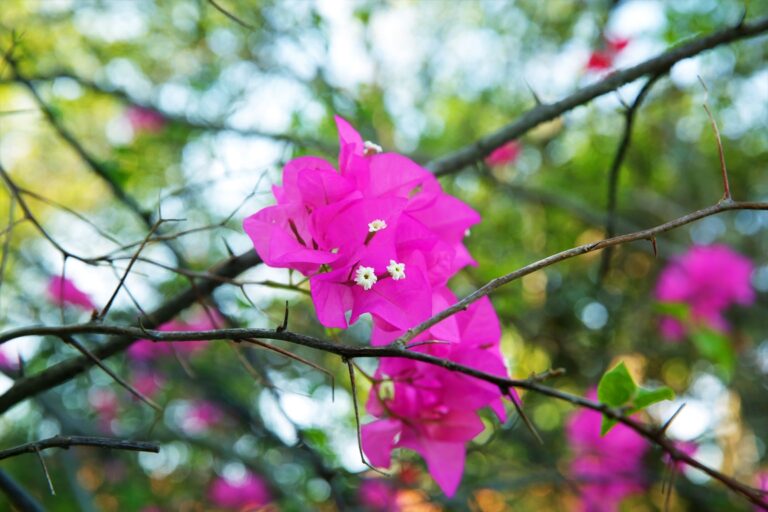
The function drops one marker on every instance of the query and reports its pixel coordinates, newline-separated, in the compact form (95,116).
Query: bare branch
(67,441)
(478,150)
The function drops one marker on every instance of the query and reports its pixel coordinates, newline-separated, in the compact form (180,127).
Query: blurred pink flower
(506,154)
(607,468)
(246,493)
(201,416)
(144,119)
(602,60)
(378,495)
(762,484)
(148,350)
(709,279)
(147,382)
(63,291)
(104,401)
(9,359)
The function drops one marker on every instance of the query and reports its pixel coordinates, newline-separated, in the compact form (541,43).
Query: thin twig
(351,369)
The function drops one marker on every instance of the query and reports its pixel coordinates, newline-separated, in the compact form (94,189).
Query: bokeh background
(192,113)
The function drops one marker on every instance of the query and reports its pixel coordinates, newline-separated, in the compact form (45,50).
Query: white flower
(365,277)
(376,225)
(396,270)
(370,148)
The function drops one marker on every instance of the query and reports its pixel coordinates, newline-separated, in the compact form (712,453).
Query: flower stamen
(365,277)
(396,270)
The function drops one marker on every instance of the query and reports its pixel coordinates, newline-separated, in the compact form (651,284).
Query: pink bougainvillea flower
(144,119)
(379,211)
(147,382)
(147,350)
(246,493)
(9,359)
(504,155)
(607,468)
(201,416)
(378,495)
(431,410)
(63,291)
(708,279)
(379,236)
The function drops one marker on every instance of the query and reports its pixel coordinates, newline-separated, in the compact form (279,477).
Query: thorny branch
(68,441)
(478,150)
(348,352)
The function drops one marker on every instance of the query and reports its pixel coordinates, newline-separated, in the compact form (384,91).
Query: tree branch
(478,150)
(67,441)
(647,234)
(348,352)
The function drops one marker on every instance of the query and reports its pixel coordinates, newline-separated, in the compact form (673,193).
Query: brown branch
(647,234)
(61,372)
(478,150)
(348,352)
(618,161)
(67,441)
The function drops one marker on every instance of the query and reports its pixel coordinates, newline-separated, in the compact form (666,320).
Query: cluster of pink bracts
(380,236)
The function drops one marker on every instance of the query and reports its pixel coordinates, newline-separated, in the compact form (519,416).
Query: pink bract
(379,236)
(148,350)
(378,495)
(248,492)
(709,279)
(606,468)
(504,155)
(144,119)
(320,227)
(63,291)
(201,416)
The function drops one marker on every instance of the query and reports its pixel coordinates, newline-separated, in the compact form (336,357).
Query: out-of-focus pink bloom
(709,279)
(607,468)
(147,382)
(144,119)
(201,416)
(687,447)
(9,359)
(506,154)
(246,493)
(106,405)
(602,60)
(148,350)
(599,61)
(63,291)
(616,44)
(762,484)
(378,495)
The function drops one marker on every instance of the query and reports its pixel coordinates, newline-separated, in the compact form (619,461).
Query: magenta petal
(378,439)
(63,291)
(277,245)
(332,296)
(445,461)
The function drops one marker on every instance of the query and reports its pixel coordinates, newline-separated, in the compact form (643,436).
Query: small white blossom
(370,148)
(376,225)
(396,270)
(365,277)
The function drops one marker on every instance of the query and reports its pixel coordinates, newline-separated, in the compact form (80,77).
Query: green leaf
(679,310)
(716,347)
(607,425)
(646,397)
(616,387)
